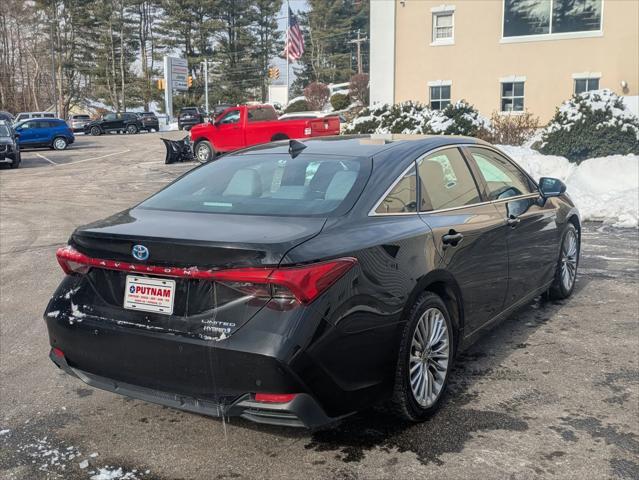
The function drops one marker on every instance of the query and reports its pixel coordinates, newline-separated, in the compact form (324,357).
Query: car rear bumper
(201,376)
(189,122)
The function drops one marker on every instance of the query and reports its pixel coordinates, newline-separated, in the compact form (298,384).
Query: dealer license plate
(149,294)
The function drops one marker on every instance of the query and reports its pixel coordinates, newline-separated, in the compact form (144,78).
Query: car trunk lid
(188,242)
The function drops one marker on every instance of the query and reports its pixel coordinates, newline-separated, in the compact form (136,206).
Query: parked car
(77,121)
(218,109)
(27,115)
(44,132)
(115,122)
(296,283)
(246,125)
(7,117)
(190,116)
(9,147)
(150,122)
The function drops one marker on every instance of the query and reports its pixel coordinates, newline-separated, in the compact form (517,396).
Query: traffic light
(189,81)
(273,73)
(161,84)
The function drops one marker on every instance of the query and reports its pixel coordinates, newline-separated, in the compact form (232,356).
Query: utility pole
(359,42)
(53,77)
(288,25)
(206,85)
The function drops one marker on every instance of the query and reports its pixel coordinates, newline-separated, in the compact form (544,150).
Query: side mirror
(17,135)
(551,187)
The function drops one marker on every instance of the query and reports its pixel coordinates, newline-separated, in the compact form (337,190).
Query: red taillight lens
(72,261)
(304,283)
(57,352)
(274,397)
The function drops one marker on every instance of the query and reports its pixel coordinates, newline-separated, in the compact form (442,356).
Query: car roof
(365,145)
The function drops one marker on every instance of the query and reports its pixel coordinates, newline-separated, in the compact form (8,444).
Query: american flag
(295,41)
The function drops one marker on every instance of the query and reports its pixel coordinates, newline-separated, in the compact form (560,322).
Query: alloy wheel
(429,357)
(203,153)
(569,260)
(59,144)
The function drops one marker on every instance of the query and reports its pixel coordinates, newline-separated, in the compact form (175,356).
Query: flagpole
(288,23)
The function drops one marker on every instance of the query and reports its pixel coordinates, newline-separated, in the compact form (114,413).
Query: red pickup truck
(246,125)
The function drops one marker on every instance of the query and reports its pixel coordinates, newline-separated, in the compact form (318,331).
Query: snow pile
(168,128)
(604,189)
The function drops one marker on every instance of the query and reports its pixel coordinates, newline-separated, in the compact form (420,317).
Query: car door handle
(513,221)
(452,238)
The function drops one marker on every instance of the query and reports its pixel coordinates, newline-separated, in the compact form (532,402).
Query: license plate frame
(149,294)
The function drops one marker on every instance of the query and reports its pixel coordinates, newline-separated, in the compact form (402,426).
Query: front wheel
(95,131)
(16,161)
(131,129)
(204,151)
(425,358)
(59,143)
(566,271)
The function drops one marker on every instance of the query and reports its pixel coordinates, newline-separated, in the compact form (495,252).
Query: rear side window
(503,179)
(446,181)
(269,184)
(261,114)
(403,197)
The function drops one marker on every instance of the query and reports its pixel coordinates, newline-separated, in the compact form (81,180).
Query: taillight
(71,261)
(300,283)
(303,283)
(274,397)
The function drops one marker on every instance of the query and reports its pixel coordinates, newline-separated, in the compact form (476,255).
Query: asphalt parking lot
(553,392)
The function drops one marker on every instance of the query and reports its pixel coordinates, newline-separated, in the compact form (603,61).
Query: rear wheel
(425,357)
(59,143)
(279,136)
(95,131)
(204,151)
(566,272)
(131,129)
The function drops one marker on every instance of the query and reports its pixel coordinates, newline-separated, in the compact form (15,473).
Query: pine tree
(328,27)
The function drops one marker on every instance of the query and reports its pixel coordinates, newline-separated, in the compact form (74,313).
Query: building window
(439,96)
(547,17)
(443,27)
(512,96)
(586,84)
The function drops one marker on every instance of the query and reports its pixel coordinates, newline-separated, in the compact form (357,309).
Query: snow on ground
(604,189)
(168,128)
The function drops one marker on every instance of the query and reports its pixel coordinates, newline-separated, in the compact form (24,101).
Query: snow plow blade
(178,150)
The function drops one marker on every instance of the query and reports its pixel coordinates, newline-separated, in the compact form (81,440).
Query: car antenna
(295,148)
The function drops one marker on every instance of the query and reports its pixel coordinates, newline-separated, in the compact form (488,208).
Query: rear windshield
(268,184)
(80,117)
(188,110)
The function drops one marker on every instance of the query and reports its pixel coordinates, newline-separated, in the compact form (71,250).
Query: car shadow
(458,419)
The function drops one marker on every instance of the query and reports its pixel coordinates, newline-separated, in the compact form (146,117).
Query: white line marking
(45,158)
(96,158)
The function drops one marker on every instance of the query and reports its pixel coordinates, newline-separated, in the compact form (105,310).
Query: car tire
(566,272)
(59,143)
(425,359)
(204,151)
(179,127)
(131,129)
(16,161)
(95,131)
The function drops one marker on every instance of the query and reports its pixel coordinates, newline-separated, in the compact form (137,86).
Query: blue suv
(44,132)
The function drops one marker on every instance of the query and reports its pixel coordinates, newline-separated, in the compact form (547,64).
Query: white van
(27,115)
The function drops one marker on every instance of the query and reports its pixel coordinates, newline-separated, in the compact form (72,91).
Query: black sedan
(296,283)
